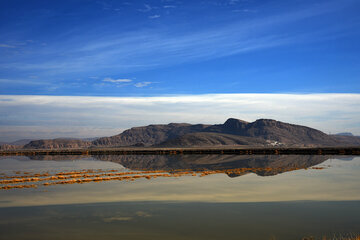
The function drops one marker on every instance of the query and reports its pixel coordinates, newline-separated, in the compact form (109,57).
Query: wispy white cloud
(245,10)
(105,5)
(232,2)
(120,80)
(66,116)
(169,6)
(142,84)
(7,46)
(154,16)
(22,82)
(147,8)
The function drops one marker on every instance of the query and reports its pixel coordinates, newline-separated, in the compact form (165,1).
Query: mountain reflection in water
(150,167)
(154,166)
(262,165)
(205,178)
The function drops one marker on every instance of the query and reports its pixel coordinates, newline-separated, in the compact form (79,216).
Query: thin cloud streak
(75,116)
(142,84)
(22,82)
(147,8)
(124,80)
(154,16)
(6,46)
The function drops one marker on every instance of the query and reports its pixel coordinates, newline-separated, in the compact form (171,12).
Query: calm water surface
(179,197)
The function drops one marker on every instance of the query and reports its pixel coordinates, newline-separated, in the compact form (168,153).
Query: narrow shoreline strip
(171,151)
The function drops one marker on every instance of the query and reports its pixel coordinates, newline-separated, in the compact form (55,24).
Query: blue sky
(90,68)
(162,47)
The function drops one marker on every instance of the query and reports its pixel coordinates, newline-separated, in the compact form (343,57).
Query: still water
(179,197)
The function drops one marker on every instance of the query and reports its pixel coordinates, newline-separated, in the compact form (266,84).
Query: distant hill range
(233,133)
(14,145)
(345,134)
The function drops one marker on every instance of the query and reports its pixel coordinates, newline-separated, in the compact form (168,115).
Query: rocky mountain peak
(234,125)
(266,122)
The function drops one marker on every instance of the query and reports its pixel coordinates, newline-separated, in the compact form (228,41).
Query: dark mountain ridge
(57,144)
(262,132)
(205,139)
(234,132)
(149,135)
